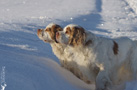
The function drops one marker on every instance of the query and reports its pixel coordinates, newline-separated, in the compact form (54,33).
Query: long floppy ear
(77,36)
(54,29)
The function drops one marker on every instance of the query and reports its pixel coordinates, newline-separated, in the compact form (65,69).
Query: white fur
(113,68)
(46,36)
(57,48)
(71,26)
(50,25)
(63,38)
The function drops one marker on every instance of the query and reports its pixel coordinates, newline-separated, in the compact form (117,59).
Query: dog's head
(49,33)
(73,35)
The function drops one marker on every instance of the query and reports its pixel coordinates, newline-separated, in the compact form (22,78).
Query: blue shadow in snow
(90,21)
(98,5)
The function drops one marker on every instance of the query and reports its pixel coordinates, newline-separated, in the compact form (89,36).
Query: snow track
(118,18)
(133,5)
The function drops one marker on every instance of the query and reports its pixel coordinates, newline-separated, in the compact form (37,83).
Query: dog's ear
(53,31)
(115,48)
(77,36)
(87,43)
(58,28)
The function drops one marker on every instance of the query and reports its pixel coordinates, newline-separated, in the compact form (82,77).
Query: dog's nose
(38,31)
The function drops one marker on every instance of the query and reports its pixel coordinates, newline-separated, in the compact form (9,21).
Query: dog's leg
(102,81)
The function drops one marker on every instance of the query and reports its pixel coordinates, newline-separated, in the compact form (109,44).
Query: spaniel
(61,51)
(106,61)
(48,35)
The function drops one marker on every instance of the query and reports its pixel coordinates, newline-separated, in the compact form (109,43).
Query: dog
(106,61)
(48,35)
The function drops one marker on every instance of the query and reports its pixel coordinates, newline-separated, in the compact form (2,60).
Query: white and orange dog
(62,51)
(48,35)
(104,61)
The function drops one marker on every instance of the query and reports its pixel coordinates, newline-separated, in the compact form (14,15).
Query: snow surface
(30,64)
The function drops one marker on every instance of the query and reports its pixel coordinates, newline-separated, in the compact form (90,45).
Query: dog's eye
(66,32)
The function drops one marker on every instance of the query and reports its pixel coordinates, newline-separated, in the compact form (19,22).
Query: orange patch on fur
(88,42)
(77,36)
(68,30)
(52,31)
(39,31)
(115,48)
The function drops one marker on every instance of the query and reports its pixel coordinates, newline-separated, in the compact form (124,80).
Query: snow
(133,4)
(24,47)
(131,85)
(30,64)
